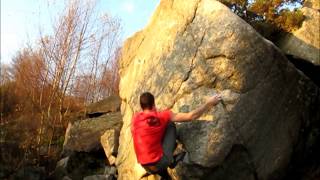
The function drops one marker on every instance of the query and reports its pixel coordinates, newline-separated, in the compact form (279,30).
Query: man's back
(148,129)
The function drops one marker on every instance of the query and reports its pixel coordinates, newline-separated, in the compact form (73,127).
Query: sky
(21,19)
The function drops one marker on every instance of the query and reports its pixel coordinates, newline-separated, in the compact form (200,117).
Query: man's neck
(148,110)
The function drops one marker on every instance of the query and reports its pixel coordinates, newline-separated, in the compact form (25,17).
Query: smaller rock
(66,178)
(110,143)
(110,170)
(61,171)
(109,104)
(83,135)
(99,177)
(63,163)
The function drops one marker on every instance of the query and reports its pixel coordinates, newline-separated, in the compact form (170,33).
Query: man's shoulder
(166,113)
(137,115)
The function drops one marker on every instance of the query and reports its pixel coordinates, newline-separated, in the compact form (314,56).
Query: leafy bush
(289,20)
(269,17)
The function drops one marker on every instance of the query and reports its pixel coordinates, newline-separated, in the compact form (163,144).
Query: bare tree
(79,35)
(62,52)
(76,63)
(109,83)
(105,43)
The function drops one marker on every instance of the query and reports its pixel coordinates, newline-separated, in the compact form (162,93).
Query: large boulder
(305,41)
(192,49)
(84,135)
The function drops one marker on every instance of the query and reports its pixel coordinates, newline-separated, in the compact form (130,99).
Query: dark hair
(146,100)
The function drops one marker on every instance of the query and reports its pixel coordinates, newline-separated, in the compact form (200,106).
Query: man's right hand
(214,100)
(211,101)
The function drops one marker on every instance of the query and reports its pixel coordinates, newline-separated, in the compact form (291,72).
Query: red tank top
(147,130)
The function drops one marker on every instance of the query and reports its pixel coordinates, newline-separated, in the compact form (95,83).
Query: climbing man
(154,133)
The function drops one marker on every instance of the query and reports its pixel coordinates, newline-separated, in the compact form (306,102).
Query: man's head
(147,101)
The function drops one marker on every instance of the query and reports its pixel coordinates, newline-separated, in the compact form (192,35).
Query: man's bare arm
(180,117)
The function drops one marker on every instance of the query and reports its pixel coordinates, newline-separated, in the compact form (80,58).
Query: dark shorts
(168,146)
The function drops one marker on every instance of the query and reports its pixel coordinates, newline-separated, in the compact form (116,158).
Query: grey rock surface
(192,49)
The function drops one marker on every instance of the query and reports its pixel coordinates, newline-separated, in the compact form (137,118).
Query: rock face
(84,135)
(305,42)
(191,49)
